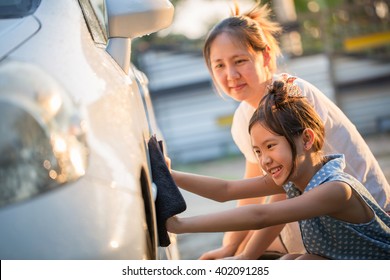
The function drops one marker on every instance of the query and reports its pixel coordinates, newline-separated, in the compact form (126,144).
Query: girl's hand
(172,224)
(168,163)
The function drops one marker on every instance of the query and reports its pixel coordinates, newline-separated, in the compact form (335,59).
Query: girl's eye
(240,61)
(257,152)
(269,146)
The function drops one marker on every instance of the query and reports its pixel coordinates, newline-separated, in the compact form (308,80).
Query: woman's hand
(219,253)
(238,257)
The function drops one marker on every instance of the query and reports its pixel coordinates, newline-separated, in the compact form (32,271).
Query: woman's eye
(240,61)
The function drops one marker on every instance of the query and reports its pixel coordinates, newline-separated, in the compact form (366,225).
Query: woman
(241,53)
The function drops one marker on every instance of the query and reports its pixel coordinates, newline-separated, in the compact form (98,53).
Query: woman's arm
(253,244)
(234,241)
(262,240)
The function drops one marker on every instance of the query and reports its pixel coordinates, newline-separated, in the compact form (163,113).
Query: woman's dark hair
(286,112)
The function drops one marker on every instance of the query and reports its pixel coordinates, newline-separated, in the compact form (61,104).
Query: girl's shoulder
(332,173)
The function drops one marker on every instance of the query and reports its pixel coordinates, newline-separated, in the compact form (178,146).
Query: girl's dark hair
(253,29)
(285,112)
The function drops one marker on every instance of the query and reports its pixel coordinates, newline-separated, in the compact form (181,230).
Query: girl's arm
(259,240)
(225,190)
(327,199)
(234,241)
(230,220)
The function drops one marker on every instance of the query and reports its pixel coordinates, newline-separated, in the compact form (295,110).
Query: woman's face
(238,72)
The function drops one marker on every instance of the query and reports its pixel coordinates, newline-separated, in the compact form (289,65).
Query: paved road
(193,245)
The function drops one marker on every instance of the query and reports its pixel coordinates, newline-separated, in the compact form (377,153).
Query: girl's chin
(280,181)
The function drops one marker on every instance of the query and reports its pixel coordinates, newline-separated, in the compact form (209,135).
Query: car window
(99,8)
(18,8)
(94,14)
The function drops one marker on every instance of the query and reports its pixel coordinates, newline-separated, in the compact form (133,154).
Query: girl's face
(273,153)
(241,74)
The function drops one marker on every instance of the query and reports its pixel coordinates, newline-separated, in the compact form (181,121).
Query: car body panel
(14,32)
(101,215)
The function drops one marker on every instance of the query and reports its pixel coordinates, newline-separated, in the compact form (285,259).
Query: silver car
(75,119)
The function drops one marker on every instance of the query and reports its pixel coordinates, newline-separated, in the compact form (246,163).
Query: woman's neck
(263,90)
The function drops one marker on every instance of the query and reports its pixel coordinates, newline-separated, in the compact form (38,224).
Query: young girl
(338,217)
(241,53)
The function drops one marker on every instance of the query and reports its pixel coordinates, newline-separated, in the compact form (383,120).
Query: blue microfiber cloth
(169,201)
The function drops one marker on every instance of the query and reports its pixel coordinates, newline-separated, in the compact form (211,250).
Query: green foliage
(322,30)
(301,6)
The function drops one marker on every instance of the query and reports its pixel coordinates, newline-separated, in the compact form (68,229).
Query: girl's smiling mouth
(275,171)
